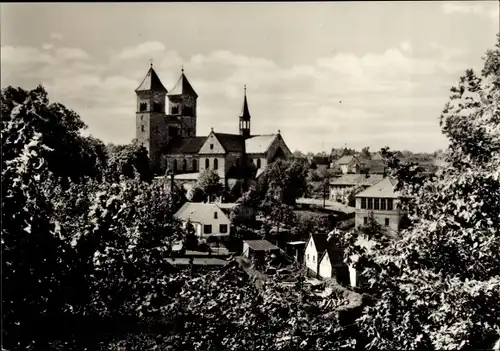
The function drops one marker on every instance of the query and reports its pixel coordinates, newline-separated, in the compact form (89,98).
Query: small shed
(258,248)
(296,250)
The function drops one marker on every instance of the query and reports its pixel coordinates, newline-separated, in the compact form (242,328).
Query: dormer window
(143,106)
(175,110)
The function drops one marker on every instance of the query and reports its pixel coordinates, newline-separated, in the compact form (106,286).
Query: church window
(216,163)
(143,106)
(207,163)
(184,165)
(259,163)
(142,128)
(156,129)
(188,111)
(175,165)
(175,110)
(194,165)
(156,107)
(211,146)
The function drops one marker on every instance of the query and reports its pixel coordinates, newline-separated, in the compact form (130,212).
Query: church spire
(245,116)
(245,112)
(151,82)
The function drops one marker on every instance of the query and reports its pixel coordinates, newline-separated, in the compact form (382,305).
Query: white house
(208,219)
(351,164)
(332,264)
(381,201)
(315,247)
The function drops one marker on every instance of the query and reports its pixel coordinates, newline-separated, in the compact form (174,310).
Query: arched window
(207,163)
(194,165)
(216,163)
(184,165)
(175,165)
(258,163)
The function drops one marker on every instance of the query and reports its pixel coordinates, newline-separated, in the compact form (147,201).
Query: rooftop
(259,144)
(260,245)
(357,179)
(185,261)
(182,87)
(196,211)
(151,82)
(382,189)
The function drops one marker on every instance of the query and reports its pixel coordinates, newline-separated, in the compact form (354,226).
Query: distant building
(315,247)
(352,164)
(346,182)
(383,202)
(208,219)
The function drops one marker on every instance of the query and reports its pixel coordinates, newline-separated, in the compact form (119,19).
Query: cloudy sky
(325,74)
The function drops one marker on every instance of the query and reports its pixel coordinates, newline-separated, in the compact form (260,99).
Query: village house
(352,164)
(381,201)
(257,249)
(208,219)
(315,247)
(346,182)
(332,265)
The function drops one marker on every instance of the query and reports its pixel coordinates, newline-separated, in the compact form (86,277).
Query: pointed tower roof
(182,87)
(245,112)
(151,82)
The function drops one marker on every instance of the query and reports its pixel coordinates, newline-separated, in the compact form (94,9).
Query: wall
(311,263)
(169,161)
(277,144)
(325,267)
(263,160)
(353,276)
(379,215)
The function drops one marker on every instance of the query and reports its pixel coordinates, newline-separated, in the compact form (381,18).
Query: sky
(326,74)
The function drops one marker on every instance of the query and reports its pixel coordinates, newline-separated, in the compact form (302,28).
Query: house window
(211,146)
(383,204)
(363,202)
(194,165)
(370,204)
(207,229)
(207,163)
(175,110)
(375,204)
(143,106)
(258,163)
(223,228)
(216,163)
(215,215)
(308,257)
(365,220)
(387,221)
(142,128)
(389,204)
(184,165)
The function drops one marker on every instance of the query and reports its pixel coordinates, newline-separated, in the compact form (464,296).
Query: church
(169,134)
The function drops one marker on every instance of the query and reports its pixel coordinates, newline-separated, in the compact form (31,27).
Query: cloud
(56,36)
(47,46)
(338,98)
(148,49)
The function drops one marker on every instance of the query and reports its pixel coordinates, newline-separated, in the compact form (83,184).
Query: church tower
(151,129)
(182,105)
(245,117)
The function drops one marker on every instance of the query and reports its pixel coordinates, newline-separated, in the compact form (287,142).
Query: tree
(190,240)
(433,286)
(68,155)
(210,184)
(365,153)
(127,160)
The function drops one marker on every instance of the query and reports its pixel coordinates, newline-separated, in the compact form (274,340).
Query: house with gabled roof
(381,201)
(332,265)
(340,185)
(351,164)
(209,220)
(168,131)
(315,247)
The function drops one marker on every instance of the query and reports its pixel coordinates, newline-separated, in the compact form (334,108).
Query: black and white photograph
(250,175)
